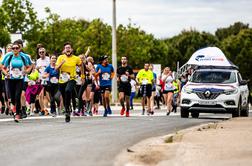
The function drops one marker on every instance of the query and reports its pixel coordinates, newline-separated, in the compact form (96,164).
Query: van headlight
(231,91)
(187,90)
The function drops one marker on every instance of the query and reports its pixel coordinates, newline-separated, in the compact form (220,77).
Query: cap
(103,57)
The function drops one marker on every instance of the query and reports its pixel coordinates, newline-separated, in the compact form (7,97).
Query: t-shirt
(145,77)
(42,64)
(16,65)
(68,69)
(133,85)
(53,74)
(168,82)
(121,73)
(105,75)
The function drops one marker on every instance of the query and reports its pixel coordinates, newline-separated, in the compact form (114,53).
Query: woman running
(15,66)
(167,78)
(53,75)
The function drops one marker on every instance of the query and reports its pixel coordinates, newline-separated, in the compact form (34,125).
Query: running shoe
(109,111)
(17,118)
(127,114)
(105,113)
(122,111)
(67,118)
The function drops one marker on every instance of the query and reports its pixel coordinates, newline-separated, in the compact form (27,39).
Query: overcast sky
(163,18)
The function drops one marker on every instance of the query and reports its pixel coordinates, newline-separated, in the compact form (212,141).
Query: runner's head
(146,66)
(124,60)
(15,48)
(42,52)
(103,60)
(9,48)
(53,59)
(68,49)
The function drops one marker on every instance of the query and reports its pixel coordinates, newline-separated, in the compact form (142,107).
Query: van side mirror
(243,82)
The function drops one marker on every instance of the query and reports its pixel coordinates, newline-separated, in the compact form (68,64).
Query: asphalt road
(85,141)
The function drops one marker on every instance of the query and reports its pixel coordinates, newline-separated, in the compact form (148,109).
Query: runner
(15,66)
(176,94)
(41,65)
(53,77)
(124,75)
(66,64)
(153,89)
(145,79)
(2,102)
(33,90)
(5,83)
(105,72)
(133,92)
(167,78)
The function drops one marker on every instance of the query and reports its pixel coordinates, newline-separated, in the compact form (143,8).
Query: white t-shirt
(42,63)
(168,82)
(133,85)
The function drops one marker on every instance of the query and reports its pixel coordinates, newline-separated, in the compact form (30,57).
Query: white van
(216,86)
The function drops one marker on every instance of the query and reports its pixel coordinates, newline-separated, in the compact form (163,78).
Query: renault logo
(207,93)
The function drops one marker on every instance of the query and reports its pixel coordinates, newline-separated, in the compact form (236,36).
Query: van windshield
(224,77)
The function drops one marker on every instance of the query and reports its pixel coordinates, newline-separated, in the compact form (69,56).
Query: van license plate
(207,102)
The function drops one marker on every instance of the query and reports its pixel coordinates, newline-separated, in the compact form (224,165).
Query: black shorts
(145,90)
(105,88)
(167,91)
(126,88)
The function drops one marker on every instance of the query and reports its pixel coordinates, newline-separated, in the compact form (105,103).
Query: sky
(162,18)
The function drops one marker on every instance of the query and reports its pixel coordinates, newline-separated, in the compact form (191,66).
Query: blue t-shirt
(105,75)
(52,72)
(16,64)
(26,56)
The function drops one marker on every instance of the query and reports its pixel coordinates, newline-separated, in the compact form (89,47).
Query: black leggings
(53,88)
(15,87)
(81,91)
(66,90)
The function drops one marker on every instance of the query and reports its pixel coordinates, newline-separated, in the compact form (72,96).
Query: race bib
(124,78)
(42,70)
(16,73)
(54,80)
(64,77)
(78,80)
(168,86)
(106,76)
(144,82)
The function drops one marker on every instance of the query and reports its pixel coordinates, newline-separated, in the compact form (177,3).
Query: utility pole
(114,56)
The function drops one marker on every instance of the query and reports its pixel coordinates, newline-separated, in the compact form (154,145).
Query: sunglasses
(15,48)
(42,52)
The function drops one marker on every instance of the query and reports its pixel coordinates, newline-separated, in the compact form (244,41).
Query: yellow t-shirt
(68,69)
(145,77)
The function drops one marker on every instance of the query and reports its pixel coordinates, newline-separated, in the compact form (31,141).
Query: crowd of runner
(74,85)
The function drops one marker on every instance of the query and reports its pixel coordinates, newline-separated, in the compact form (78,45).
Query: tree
(238,49)
(234,29)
